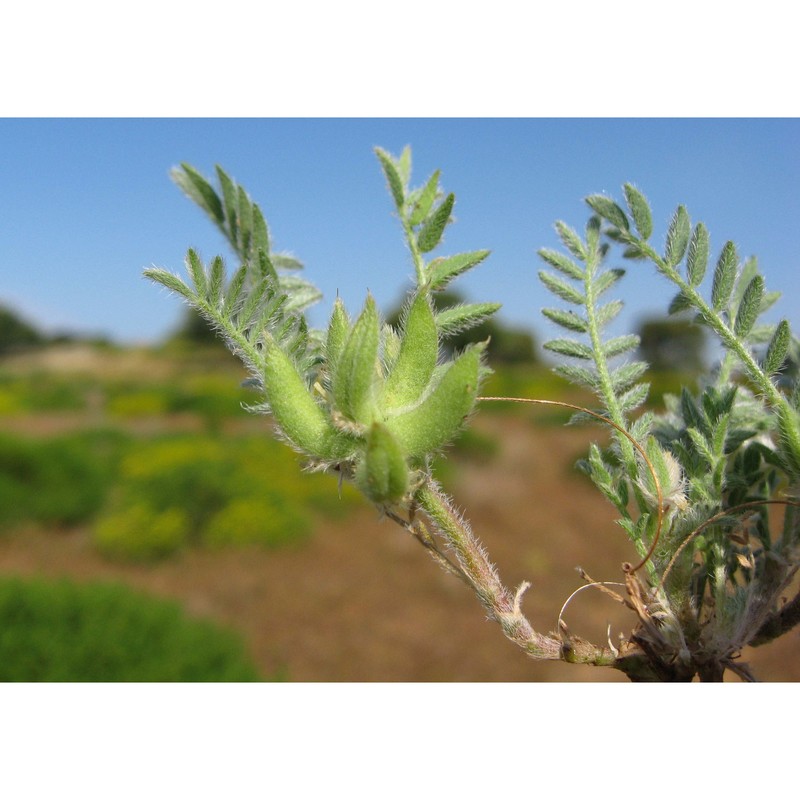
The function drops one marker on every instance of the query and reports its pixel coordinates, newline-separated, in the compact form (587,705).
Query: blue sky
(87,204)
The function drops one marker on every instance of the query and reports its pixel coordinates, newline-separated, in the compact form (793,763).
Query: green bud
(416,360)
(303,422)
(382,473)
(355,374)
(338,330)
(434,421)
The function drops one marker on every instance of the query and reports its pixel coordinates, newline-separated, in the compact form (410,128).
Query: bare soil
(362,601)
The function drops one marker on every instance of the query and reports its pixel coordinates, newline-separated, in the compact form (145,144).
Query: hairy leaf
(627,374)
(245,212)
(443,270)
(578,375)
(620,345)
(355,375)
(260,237)
(562,263)
(640,211)
(566,319)
(677,237)
(230,199)
(463,317)
(634,397)
(606,280)
(569,347)
(608,312)
(283,261)
(571,240)
(419,349)
(432,230)
(724,276)
(608,210)
(338,331)
(697,258)
(679,303)
(392,177)
(433,423)
(561,288)
(198,189)
(235,291)
(198,273)
(778,348)
(749,307)
(425,200)
(171,282)
(216,281)
(404,165)
(302,421)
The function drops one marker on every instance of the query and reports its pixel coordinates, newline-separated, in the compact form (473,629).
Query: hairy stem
(502,605)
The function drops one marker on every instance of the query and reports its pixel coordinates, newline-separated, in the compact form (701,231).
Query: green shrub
(137,403)
(61,631)
(40,391)
(60,481)
(181,490)
(140,533)
(258,520)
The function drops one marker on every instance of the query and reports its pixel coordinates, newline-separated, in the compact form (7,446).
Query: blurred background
(152,529)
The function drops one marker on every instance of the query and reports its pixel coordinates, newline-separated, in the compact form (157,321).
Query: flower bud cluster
(382,404)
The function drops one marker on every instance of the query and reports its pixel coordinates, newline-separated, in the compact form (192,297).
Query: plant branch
(502,605)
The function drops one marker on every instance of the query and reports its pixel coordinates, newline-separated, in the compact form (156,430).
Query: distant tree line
(667,344)
(18,334)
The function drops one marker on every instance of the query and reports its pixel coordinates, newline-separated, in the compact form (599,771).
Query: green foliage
(180,491)
(141,532)
(327,390)
(61,481)
(61,631)
(40,391)
(16,333)
(374,401)
(732,445)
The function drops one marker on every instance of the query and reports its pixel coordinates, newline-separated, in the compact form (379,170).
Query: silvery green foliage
(696,486)
(360,398)
(723,454)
